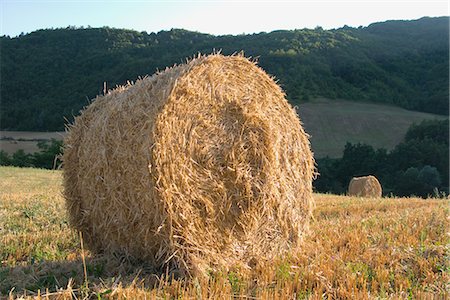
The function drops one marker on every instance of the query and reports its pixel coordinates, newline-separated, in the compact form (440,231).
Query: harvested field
(392,248)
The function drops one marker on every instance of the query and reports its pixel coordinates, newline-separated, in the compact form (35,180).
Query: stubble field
(358,248)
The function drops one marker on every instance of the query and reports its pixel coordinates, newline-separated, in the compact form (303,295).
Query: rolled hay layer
(201,167)
(366,186)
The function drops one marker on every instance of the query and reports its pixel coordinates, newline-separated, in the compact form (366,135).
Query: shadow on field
(103,273)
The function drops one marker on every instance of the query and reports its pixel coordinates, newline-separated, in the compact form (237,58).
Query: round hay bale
(202,166)
(365,186)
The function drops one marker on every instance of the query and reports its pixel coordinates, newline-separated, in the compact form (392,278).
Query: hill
(51,74)
(358,248)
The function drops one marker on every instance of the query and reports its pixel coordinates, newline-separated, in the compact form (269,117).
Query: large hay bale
(365,186)
(202,166)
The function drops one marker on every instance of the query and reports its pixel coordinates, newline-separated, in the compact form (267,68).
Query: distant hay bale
(201,167)
(366,186)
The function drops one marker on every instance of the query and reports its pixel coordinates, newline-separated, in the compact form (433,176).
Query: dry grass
(359,248)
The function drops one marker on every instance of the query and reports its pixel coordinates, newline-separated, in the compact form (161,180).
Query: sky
(209,16)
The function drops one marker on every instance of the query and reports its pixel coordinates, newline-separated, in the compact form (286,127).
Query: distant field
(11,141)
(331,123)
(359,248)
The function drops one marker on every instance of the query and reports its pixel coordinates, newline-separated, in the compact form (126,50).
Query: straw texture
(366,186)
(201,167)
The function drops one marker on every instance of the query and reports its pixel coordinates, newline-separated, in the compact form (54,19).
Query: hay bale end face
(366,186)
(201,167)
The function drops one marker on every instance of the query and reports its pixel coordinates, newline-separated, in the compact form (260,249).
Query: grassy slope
(364,248)
(332,123)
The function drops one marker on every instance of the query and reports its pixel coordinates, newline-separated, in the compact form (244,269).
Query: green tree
(423,183)
(22,159)
(48,156)
(430,180)
(407,182)
(357,160)
(5,160)
(327,181)
(433,130)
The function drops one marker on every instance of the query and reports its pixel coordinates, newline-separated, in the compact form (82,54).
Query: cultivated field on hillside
(357,248)
(11,141)
(332,123)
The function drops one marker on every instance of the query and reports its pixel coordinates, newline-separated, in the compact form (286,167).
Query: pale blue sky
(209,16)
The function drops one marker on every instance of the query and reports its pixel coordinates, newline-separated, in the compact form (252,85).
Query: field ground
(11,141)
(331,123)
(358,249)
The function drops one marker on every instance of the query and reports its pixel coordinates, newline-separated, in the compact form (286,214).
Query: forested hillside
(51,74)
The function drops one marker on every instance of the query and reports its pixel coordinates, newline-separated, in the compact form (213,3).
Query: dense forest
(49,75)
